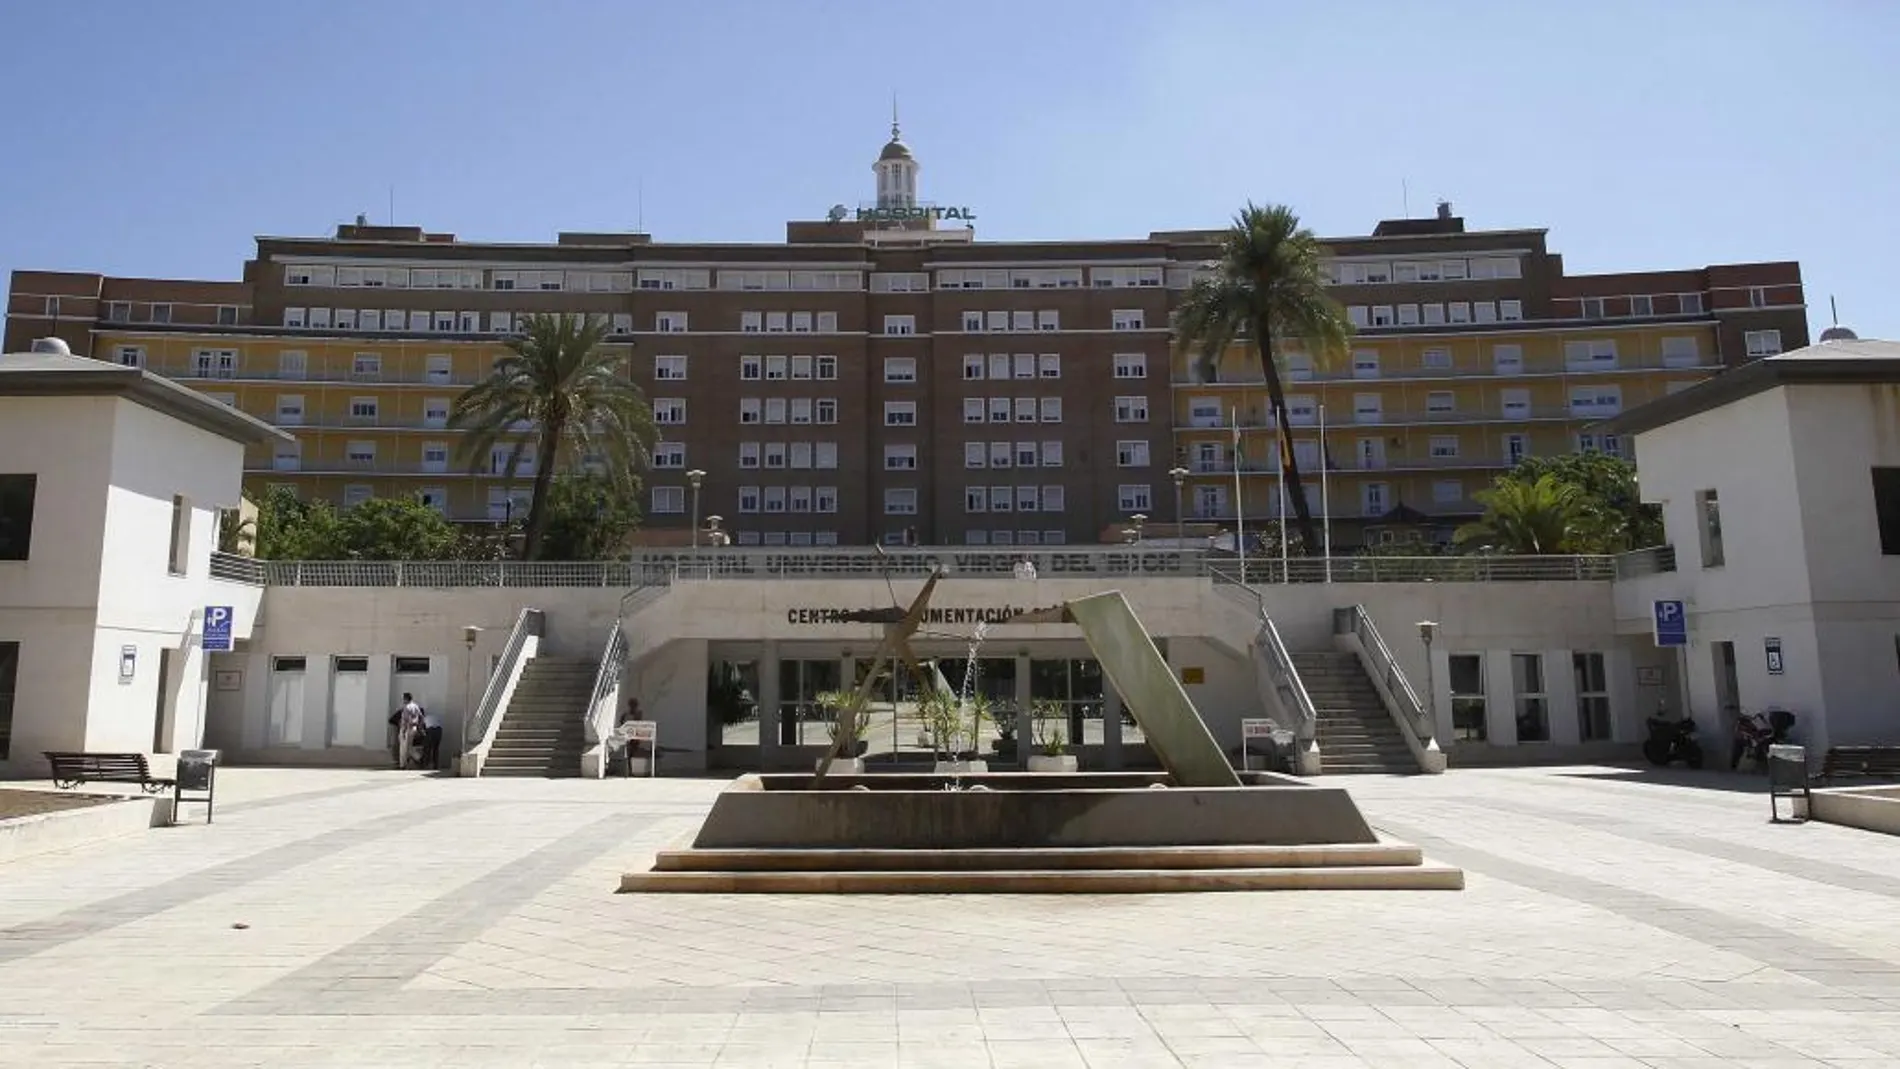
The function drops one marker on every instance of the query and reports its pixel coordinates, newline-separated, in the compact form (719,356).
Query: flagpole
(1240,511)
(1325,506)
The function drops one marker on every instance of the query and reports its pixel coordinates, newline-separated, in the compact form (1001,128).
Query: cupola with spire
(896,170)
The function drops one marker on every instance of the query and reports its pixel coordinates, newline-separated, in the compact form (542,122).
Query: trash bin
(198,774)
(1787,778)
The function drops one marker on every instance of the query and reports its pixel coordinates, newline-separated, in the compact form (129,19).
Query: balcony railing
(175,370)
(857,563)
(1652,561)
(1346,420)
(1706,361)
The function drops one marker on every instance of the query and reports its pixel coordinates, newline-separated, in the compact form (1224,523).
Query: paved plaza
(351,918)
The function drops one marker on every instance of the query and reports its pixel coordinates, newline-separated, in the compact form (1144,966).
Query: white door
(1210,502)
(1371,453)
(349,703)
(412,675)
(285,727)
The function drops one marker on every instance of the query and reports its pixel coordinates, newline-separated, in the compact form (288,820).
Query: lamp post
(1179,475)
(1140,520)
(695,477)
(714,536)
(470,635)
(1427,631)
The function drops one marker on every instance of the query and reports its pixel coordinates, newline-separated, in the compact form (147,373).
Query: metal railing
(599,722)
(865,563)
(530,623)
(1289,692)
(1640,562)
(1380,661)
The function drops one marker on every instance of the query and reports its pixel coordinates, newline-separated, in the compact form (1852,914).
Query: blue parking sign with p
(1671,624)
(217,633)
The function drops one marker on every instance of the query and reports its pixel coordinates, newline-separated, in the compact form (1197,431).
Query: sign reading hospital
(217,630)
(903,214)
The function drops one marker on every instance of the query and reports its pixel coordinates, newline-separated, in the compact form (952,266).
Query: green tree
(1541,516)
(589,518)
(1617,519)
(1266,286)
(559,380)
(289,528)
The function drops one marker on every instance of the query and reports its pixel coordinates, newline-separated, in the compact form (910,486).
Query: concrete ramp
(1150,692)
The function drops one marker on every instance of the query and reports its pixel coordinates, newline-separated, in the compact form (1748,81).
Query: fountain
(1198,826)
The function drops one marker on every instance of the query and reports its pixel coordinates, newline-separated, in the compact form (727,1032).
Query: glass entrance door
(801,721)
(1075,690)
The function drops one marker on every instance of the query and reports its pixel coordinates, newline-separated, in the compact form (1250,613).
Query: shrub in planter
(1050,721)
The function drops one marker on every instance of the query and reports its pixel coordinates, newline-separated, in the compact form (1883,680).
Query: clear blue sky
(159,138)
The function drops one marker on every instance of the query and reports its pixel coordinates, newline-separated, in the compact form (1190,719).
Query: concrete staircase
(541,733)
(1356,732)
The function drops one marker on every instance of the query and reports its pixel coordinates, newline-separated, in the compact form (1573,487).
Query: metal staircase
(1356,731)
(542,732)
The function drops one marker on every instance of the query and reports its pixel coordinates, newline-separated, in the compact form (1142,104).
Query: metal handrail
(1294,701)
(1637,563)
(599,715)
(528,623)
(1382,661)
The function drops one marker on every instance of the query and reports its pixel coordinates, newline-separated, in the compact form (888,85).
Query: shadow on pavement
(1708,779)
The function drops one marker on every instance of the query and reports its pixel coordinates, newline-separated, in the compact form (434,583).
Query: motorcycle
(1756,732)
(1671,741)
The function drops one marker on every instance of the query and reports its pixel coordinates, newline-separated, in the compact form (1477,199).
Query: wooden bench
(72,769)
(1846,762)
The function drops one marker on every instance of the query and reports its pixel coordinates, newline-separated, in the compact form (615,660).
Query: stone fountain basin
(898,811)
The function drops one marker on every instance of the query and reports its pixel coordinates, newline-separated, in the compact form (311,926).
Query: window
(824,455)
(901,502)
(181,535)
(1052,501)
(775,410)
(1131,454)
(1365,364)
(1448,491)
(775,499)
(1049,409)
(669,411)
(669,455)
(976,499)
(1594,355)
(900,413)
(775,322)
(1127,319)
(1048,320)
(1024,366)
(670,322)
(669,500)
(801,410)
(129,355)
(1642,305)
(1510,311)
(435,412)
(900,324)
(973,410)
(1434,314)
(289,409)
(1133,497)
(669,368)
(999,454)
(825,410)
(1368,408)
(1025,454)
(751,368)
(214,363)
(1762,342)
(1440,403)
(996,322)
(972,366)
(355,494)
(1131,410)
(1507,359)
(1001,499)
(287,456)
(363,409)
(1052,454)
(16,516)
(1131,365)
(1408,315)
(366,367)
(801,368)
(1025,409)
(500,322)
(161,313)
(999,365)
(1757,297)
(1709,521)
(776,368)
(1382,315)
(1593,697)
(360,454)
(1533,711)
(293,317)
(1435,359)
(1689,303)
(435,456)
(826,323)
(1458,311)
(900,458)
(826,366)
(974,455)
(972,322)
(1467,696)
(751,322)
(1026,498)
(1484,311)
(825,499)
(1359,316)
(1023,321)
(999,410)
(748,499)
(1681,352)
(900,369)
(748,454)
(1593,308)
(1517,446)
(1595,402)
(1444,446)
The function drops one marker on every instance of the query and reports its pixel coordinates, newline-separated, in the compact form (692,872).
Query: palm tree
(1538,516)
(574,397)
(1267,285)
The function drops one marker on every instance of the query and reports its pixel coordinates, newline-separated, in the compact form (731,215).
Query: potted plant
(1050,720)
(953,732)
(1004,718)
(853,728)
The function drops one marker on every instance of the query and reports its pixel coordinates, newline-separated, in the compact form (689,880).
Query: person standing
(408,724)
(431,739)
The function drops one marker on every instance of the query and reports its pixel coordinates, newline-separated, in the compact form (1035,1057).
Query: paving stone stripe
(308,796)
(399,951)
(26,940)
(1787,951)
